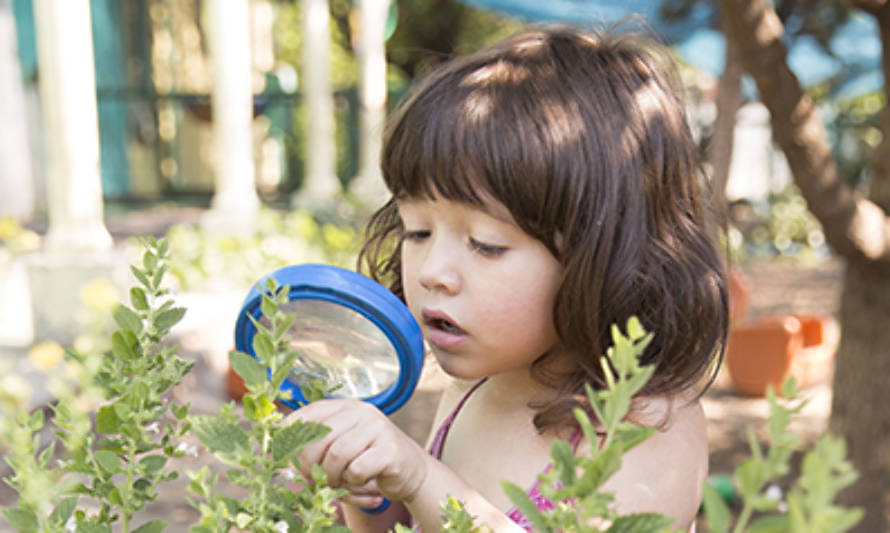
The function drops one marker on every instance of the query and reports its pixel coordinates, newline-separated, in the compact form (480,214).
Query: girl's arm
(442,482)
(366,454)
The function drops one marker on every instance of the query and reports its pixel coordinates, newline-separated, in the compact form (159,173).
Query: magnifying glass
(349,330)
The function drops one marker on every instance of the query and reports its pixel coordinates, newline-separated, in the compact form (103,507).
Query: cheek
(523,315)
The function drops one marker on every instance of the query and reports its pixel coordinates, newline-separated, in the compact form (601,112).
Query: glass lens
(341,346)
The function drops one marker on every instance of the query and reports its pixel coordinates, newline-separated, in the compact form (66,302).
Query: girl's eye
(487,250)
(415,235)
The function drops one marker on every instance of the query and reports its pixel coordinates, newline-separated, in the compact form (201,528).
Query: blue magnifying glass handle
(377,510)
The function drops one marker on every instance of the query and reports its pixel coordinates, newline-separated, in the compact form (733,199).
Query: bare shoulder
(451,395)
(665,473)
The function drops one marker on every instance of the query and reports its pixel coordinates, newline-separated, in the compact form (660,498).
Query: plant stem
(744,517)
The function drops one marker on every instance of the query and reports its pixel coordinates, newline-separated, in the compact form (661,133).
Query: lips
(441,330)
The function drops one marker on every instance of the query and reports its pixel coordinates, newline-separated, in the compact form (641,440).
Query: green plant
(263,455)
(808,507)
(120,462)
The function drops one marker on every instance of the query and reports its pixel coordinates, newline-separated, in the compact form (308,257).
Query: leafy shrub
(119,461)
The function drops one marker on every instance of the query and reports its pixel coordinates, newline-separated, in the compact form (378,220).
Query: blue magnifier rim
(356,292)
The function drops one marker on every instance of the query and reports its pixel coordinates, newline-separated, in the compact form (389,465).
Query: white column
(235,201)
(368,184)
(320,184)
(17,192)
(68,96)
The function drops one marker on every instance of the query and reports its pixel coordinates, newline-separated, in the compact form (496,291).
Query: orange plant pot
(234,384)
(774,348)
(760,354)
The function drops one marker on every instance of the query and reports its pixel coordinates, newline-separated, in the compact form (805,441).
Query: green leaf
(179,411)
(87,527)
(630,436)
(140,275)
(635,330)
(789,387)
(153,526)
(120,347)
(600,468)
(126,318)
(21,520)
(296,436)
(526,506)
(108,461)
(251,371)
(267,306)
(153,463)
(149,261)
(285,368)
(770,524)
(107,420)
(138,299)
(640,523)
(167,319)
(716,510)
(286,323)
(751,476)
(217,435)
(263,348)
(564,462)
(62,511)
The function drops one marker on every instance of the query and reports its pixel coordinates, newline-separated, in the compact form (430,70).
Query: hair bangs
(469,135)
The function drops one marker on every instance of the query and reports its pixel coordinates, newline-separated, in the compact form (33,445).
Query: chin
(452,366)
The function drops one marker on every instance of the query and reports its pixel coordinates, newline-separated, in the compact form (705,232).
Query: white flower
(289,474)
(280,526)
(187,450)
(71,525)
(774,493)
(153,427)
(62,463)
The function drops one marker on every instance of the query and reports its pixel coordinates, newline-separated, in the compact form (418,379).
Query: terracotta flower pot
(234,384)
(739,288)
(768,351)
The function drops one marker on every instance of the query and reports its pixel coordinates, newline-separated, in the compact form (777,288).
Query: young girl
(543,190)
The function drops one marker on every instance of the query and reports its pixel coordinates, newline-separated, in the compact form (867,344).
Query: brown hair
(584,138)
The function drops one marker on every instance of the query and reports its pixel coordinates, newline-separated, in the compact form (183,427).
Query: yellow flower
(99,295)
(46,355)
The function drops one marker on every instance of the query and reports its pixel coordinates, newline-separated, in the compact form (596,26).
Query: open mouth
(446,326)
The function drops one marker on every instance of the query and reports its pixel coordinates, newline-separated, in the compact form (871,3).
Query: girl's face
(480,287)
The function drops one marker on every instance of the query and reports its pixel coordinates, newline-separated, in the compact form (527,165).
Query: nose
(439,268)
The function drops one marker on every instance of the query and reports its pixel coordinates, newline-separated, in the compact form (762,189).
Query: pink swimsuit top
(541,502)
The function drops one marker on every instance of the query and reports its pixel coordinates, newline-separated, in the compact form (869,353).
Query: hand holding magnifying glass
(349,330)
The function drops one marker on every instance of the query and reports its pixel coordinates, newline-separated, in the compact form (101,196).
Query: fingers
(364,452)
(363,501)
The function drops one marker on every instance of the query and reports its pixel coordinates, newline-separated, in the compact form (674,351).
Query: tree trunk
(729,99)
(859,407)
(856,228)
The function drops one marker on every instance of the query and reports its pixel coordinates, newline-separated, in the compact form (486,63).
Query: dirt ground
(777,288)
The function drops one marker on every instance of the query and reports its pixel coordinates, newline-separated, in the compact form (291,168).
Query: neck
(516,388)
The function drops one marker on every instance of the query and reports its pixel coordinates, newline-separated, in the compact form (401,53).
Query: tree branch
(870,6)
(854,227)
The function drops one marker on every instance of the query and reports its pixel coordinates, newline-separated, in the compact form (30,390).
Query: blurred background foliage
(159,77)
